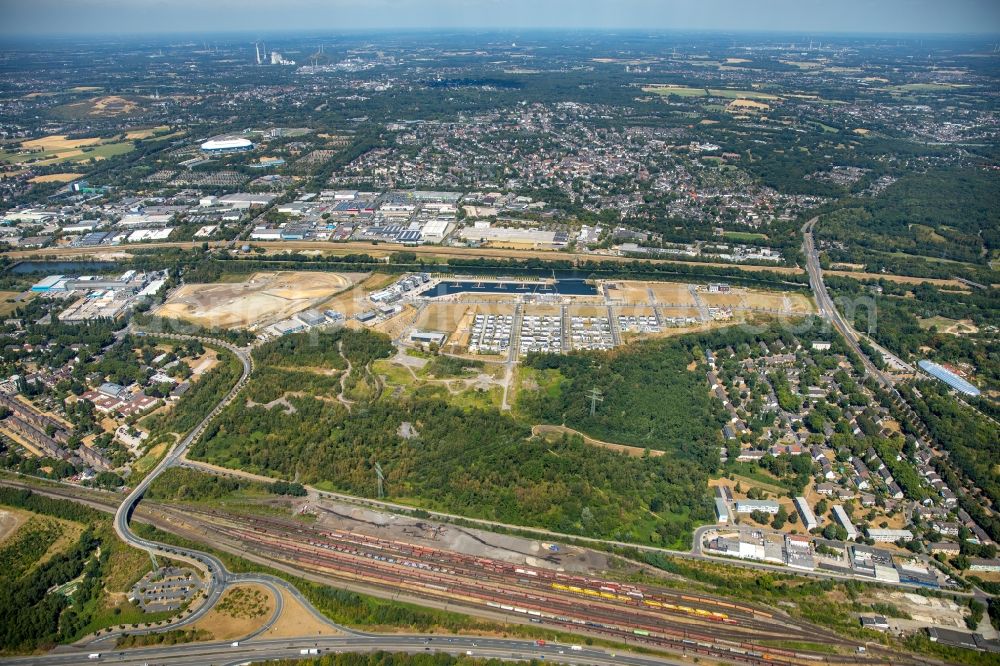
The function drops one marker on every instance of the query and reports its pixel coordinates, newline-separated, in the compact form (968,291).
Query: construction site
(260,301)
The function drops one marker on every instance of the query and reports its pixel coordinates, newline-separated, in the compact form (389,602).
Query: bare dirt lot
(514,549)
(262,300)
(241,610)
(296,621)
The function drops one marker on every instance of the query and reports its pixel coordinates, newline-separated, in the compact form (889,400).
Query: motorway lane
(827,309)
(261,650)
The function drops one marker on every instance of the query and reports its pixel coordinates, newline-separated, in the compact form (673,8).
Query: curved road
(219,578)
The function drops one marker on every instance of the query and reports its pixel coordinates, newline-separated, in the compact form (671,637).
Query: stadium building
(227,145)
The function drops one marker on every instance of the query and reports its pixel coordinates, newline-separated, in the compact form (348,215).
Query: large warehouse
(227,145)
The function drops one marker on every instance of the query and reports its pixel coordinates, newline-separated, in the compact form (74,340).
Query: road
(218,577)
(827,308)
(263,650)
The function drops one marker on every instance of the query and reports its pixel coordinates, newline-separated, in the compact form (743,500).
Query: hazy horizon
(157,17)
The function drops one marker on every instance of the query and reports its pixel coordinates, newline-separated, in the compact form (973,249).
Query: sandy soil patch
(633,451)
(397,325)
(10,520)
(242,609)
(297,621)
(927,610)
(57,178)
(585,310)
(902,279)
(112,105)
(670,293)
(262,300)
(449,318)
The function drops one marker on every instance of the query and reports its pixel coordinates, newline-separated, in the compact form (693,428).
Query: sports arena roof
(227,144)
(948,377)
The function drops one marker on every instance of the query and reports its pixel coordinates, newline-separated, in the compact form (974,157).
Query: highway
(201,654)
(827,309)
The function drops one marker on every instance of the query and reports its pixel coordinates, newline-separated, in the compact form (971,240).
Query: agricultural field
(262,300)
(686,91)
(59,149)
(57,178)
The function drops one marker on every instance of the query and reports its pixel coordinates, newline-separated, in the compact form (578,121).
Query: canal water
(569,286)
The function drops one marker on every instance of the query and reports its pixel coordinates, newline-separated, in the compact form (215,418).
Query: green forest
(946,213)
(31,616)
(972,443)
(483,463)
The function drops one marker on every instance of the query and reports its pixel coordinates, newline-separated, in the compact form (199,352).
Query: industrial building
(948,377)
(428,337)
(50,283)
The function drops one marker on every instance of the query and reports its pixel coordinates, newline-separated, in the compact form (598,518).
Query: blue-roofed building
(948,377)
(50,283)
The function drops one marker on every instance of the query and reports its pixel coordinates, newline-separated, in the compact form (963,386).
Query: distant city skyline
(59,17)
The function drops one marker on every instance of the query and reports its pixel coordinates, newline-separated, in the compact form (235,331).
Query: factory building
(50,283)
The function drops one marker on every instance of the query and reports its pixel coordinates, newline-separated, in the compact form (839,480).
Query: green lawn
(743,235)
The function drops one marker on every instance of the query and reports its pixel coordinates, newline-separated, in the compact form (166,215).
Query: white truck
(234,644)
(94,655)
(309,651)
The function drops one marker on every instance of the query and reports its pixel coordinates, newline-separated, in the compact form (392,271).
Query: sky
(57,17)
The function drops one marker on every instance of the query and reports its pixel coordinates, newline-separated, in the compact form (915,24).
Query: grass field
(146,133)
(743,235)
(7,302)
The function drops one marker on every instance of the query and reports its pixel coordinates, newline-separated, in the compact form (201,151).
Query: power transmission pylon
(380,479)
(595,397)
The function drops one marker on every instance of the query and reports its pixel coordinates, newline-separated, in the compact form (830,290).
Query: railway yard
(547,594)
(562,590)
